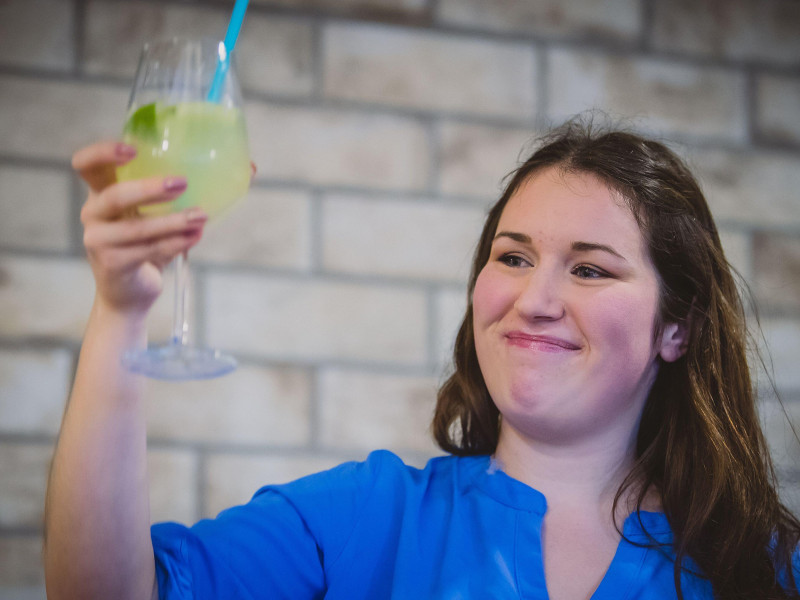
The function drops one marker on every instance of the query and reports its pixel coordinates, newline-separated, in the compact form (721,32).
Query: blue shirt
(458,529)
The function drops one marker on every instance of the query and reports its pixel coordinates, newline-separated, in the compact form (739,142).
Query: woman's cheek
(488,297)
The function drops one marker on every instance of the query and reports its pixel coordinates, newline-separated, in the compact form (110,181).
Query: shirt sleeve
(278,545)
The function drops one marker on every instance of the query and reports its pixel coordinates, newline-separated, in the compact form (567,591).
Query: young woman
(600,422)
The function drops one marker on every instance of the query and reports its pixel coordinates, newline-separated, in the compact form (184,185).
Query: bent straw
(231,36)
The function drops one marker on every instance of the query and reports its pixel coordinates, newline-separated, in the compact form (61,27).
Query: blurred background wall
(382,130)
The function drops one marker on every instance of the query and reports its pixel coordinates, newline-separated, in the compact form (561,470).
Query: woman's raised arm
(97,540)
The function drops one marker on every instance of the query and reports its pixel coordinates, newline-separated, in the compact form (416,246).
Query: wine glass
(185,119)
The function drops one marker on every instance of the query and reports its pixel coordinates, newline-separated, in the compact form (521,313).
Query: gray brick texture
(382,130)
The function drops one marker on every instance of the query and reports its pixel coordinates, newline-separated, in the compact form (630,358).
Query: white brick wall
(20,570)
(615,20)
(778,108)
(254,405)
(34,386)
(384,8)
(338,147)
(382,130)
(35,209)
(757,30)
(474,159)
(752,188)
(365,236)
(371,64)
(670,97)
(367,410)
(23,472)
(305,320)
(276,53)
(173,485)
(50,119)
(232,479)
(29,40)
(776,259)
(269,228)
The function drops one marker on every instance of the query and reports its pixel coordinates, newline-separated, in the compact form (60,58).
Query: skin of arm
(97,511)
(97,515)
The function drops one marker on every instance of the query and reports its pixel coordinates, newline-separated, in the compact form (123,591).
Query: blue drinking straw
(230,41)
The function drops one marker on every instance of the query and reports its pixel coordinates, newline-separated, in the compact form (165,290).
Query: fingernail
(195,216)
(174,184)
(125,150)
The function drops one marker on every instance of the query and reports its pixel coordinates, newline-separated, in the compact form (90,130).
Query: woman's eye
(513,260)
(587,272)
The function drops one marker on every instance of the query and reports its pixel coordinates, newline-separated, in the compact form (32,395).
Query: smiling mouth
(544,343)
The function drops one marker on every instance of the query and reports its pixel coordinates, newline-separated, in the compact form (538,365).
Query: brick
(664,96)
(29,40)
(777,271)
(315,320)
(28,307)
(755,188)
(289,46)
(27,304)
(390,9)
(760,30)
(23,471)
(173,485)
(738,248)
(450,308)
(790,494)
(784,448)
(616,20)
(398,239)
(34,385)
(269,228)
(38,220)
(474,159)
(35,592)
(232,479)
(778,109)
(782,339)
(338,147)
(21,569)
(116,32)
(253,405)
(51,120)
(407,68)
(369,410)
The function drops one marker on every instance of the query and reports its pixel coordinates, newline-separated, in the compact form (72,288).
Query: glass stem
(180,323)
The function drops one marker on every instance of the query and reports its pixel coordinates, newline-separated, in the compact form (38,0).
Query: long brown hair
(699,443)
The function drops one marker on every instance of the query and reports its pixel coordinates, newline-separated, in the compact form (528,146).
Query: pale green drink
(202,141)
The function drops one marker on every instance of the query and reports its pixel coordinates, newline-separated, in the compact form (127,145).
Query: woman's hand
(128,252)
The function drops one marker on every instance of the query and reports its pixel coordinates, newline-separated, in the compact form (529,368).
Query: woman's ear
(674,341)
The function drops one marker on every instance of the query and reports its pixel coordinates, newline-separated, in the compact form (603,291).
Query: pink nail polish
(125,150)
(195,216)
(174,184)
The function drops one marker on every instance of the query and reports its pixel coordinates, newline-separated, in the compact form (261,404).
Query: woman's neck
(582,476)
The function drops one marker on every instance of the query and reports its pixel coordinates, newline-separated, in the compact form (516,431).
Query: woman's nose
(541,296)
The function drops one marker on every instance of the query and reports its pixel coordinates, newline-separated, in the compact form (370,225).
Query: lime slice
(147,122)
(163,113)
(142,123)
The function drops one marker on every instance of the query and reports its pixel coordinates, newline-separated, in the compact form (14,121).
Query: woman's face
(565,311)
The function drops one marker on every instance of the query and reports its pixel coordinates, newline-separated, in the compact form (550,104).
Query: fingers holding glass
(122,199)
(97,163)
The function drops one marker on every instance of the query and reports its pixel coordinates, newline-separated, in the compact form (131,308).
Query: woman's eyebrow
(524,238)
(590,246)
(517,237)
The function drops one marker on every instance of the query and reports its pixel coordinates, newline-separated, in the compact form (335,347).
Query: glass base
(176,362)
